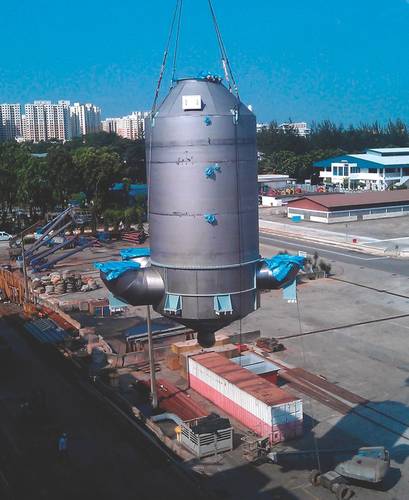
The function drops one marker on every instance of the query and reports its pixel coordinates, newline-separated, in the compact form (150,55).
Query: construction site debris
(269,344)
(57,283)
(212,423)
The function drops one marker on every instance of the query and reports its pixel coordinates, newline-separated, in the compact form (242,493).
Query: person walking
(63,446)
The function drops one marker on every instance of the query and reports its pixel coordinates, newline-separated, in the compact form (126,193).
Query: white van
(5,236)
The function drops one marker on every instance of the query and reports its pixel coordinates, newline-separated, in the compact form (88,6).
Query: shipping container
(258,365)
(259,405)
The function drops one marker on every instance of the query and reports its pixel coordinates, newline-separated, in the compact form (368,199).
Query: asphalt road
(332,253)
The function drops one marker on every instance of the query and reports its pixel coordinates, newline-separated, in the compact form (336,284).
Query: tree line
(284,152)
(44,177)
(39,178)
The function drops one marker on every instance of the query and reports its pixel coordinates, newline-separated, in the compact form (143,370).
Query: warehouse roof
(358,200)
(378,158)
(248,382)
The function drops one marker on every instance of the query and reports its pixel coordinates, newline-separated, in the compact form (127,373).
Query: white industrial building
(376,169)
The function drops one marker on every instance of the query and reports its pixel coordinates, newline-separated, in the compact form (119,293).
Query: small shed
(258,365)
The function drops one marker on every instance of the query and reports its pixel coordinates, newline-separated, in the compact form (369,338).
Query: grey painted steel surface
(198,260)
(194,261)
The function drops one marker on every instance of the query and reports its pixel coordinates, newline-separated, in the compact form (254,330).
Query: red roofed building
(350,207)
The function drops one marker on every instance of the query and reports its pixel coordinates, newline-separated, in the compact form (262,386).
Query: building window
(355,170)
(372,170)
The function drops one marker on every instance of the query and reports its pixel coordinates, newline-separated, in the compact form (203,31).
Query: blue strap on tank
(211,219)
(211,171)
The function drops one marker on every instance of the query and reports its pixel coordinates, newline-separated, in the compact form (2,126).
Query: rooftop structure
(349,207)
(298,128)
(375,169)
(244,379)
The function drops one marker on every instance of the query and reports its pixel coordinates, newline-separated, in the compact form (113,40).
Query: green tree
(97,170)
(13,158)
(63,174)
(34,187)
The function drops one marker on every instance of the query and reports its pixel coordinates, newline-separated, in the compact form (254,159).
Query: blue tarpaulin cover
(114,269)
(211,219)
(138,189)
(133,253)
(281,265)
(211,171)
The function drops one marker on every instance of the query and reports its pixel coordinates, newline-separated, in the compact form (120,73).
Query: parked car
(5,236)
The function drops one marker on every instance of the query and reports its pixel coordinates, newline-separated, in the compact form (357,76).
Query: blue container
(296,218)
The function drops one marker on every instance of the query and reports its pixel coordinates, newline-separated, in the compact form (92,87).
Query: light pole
(151,358)
(346,233)
(23,254)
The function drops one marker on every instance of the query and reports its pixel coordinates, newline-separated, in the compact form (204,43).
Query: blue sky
(346,60)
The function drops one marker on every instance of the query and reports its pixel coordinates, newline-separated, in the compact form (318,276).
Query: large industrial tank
(203,211)
(204,267)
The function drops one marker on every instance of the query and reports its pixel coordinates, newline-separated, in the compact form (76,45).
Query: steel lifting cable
(316,446)
(165,56)
(178,9)
(225,59)
(177,42)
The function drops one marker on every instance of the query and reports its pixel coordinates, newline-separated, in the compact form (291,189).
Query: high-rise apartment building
(110,125)
(44,121)
(10,122)
(85,119)
(129,127)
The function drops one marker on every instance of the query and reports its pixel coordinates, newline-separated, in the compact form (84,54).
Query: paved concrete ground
(388,235)
(370,359)
(393,227)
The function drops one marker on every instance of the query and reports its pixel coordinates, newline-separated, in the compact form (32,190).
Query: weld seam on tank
(211,294)
(202,142)
(200,214)
(200,163)
(205,268)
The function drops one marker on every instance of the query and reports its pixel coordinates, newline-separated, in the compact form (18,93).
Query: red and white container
(259,405)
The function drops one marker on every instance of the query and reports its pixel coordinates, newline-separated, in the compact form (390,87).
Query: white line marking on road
(301,245)
(389,239)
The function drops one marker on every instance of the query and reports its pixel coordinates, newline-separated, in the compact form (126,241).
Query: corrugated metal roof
(383,160)
(368,198)
(245,380)
(256,364)
(395,151)
(375,160)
